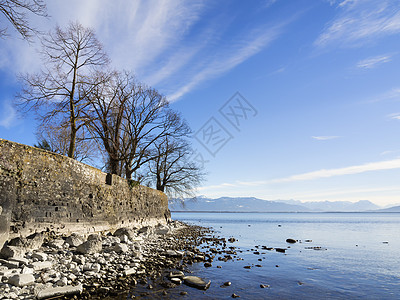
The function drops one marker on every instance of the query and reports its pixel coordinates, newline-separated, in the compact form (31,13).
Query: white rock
(21,279)
(59,291)
(26,270)
(40,265)
(130,271)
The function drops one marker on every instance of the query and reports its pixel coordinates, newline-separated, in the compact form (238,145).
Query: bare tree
(71,56)
(172,170)
(149,119)
(107,115)
(16,12)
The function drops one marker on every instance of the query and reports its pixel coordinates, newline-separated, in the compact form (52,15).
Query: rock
(227,283)
(183,293)
(40,256)
(176,274)
(174,253)
(121,248)
(196,282)
(231,240)
(31,242)
(27,270)
(79,259)
(176,280)
(234,295)
(247,267)
(291,241)
(9,264)
(263,286)
(207,265)
(62,282)
(57,243)
(74,240)
(59,291)
(90,247)
(92,267)
(125,239)
(281,250)
(20,260)
(12,251)
(41,265)
(130,233)
(161,230)
(145,229)
(21,280)
(130,271)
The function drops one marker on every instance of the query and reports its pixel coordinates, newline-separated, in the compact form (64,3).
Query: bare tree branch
(16,12)
(70,56)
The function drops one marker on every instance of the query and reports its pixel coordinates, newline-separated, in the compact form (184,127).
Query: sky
(286,99)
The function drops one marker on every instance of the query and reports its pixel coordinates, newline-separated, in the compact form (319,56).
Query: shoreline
(127,262)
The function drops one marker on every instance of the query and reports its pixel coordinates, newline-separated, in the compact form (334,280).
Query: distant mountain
(245,204)
(344,206)
(251,204)
(390,209)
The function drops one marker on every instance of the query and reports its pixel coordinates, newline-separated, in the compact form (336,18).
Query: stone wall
(41,190)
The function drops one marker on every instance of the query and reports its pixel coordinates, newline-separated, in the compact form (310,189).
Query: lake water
(359,256)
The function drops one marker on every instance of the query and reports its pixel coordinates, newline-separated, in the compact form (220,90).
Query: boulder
(12,251)
(90,247)
(31,242)
(74,240)
(120,248)
(130,233)
(196,282)
(94,237)
(21,280)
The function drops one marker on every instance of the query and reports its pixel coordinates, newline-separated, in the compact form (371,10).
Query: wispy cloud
(325,173)
(8,115)
(227,59)
(363,21)
(314,175)
(395,116)
(373,62)
(325,137)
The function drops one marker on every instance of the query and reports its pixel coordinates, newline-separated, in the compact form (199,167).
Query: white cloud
(359,22)
(372,62)
(325,138)
(226,59)
(326,173)
(395,116)
(8,115)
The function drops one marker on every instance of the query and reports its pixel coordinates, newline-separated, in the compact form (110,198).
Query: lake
(337,256)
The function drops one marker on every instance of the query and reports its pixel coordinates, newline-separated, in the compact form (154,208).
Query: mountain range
(251,204)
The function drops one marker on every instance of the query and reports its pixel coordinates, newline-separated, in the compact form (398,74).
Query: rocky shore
(134,261)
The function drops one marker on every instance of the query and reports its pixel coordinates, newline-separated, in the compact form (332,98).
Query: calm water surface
(361,260)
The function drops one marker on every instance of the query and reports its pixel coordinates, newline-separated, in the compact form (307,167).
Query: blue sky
(320,81)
